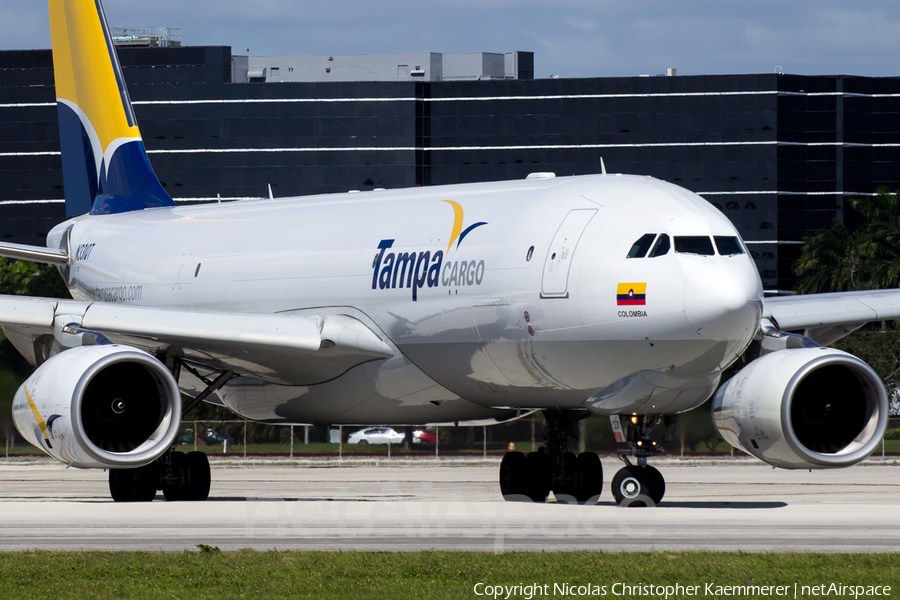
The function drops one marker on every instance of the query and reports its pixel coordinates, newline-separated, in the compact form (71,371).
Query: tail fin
(105,165)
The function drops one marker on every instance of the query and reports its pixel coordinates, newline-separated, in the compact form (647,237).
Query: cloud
(571,38)
(831,40)
(582,25)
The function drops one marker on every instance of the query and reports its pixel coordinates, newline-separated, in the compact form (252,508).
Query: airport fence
(242,438)
(246,438)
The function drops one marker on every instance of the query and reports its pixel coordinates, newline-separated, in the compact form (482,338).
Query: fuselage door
(555,281)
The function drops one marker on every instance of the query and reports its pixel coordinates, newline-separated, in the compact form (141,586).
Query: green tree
(866,256)
(880,349)
(882,231)
(831,261)
(24,278)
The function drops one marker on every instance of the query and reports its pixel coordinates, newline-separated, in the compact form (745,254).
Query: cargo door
(555,281)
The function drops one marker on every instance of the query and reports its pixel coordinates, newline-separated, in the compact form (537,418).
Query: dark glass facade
(778,154)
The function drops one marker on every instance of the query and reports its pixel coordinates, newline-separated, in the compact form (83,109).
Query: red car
(421,436)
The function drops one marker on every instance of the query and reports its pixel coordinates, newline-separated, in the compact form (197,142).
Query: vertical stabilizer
(105,165)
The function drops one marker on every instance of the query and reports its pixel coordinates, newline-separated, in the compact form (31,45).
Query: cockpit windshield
(640,247)
(702,245)
(694,244)
(728,245)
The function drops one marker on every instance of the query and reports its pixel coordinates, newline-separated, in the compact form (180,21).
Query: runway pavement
(410,505)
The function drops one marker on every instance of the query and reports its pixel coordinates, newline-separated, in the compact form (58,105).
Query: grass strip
(210,573)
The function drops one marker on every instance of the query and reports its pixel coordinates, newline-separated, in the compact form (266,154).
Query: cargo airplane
(607,294)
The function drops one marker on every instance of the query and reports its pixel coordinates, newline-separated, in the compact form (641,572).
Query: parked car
(211,437)
(384,435)
(376,435)
(420,436)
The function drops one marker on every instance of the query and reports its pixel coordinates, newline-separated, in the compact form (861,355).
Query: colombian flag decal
(631,294)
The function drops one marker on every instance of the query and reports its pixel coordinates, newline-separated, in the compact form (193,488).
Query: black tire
(176,489)
(569,487)
(657,484)
(590,481)
(633,486)
(513,480)
(147,483)
(537,469)
(134,485)
(121,484)
(199,479)
(363,442)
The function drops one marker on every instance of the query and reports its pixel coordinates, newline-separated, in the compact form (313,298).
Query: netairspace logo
(663,592)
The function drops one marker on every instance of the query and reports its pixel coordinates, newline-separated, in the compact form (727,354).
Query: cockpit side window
(661,246)
(694,244)
(728,245)
(640,247)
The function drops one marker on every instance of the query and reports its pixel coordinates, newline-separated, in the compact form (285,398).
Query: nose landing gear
(635,485)
(639,484)
(531,477)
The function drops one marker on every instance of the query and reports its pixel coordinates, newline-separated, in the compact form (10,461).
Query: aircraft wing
(36,254)
(828,317)
(293,348)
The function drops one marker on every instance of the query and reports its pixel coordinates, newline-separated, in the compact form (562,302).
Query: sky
(570,38)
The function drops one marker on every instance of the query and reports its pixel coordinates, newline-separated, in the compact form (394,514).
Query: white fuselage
(521,311)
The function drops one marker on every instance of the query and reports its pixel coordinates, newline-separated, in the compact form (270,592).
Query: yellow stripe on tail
(105,164)
(88,75)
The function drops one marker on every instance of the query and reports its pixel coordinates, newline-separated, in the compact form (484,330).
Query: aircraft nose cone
(722,300)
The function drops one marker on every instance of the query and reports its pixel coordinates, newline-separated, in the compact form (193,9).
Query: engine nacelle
(100,406)
(809,408)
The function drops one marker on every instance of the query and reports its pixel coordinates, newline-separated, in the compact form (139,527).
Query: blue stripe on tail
(79,168)
(128,183)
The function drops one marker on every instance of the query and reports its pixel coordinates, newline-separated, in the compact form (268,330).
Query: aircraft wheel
(590,480)
(657,484)
(537,468)
(174,486)
(363,442)
(634,486)
(121,482)
(569,485)
(197,472)
(134,485)
(513,477)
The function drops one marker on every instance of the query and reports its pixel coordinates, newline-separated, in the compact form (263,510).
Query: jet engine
(100,406)
(809,408)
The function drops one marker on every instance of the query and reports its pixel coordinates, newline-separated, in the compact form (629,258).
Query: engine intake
(803,409)
(100,406)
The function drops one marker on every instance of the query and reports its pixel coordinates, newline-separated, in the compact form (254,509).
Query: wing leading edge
(828,317)
(291,348)
(36,254)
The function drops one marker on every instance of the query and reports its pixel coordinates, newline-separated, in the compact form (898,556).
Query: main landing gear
(531,477)
(180,476)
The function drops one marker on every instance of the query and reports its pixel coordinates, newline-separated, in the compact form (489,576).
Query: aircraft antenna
(602,167)
(271,197)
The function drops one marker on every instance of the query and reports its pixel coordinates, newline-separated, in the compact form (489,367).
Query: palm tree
(866,257)
(882,228)
(832,260)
